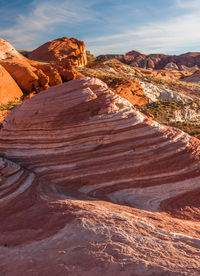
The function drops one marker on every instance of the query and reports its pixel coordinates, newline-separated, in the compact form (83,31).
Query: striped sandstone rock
(91,186)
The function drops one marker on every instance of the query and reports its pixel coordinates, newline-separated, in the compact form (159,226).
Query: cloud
(178,31)
(172,35)
(43,18)
(185,4)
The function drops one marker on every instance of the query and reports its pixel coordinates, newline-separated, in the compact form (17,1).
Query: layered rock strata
(91,181)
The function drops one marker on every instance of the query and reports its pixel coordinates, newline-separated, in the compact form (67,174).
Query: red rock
(157,61)
(195,77)
(27,76)
(61,49)
(36,76)
(67,71)
(80,154)
(30,95)
(50,71)
(171,66)
(9,90)
(127,89)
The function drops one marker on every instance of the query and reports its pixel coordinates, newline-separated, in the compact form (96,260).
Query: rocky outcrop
(195,77)
(31,76)
(184,108)
(157,61)
(52,73)
(9,90)
(127,89)
(161,92)
(171,66)
(189,69)
(23,72)
(62,49)
(34,76)
(90,180)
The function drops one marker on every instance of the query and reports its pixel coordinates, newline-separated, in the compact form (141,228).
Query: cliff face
(97,185)
(62,49)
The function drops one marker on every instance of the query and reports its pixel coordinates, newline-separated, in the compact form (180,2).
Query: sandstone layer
(62,49)
(87,186)
(9,90)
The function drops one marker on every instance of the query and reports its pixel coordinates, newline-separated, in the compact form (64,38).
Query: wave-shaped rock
(101,176)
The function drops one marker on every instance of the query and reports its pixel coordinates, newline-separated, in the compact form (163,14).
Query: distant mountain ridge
(157,61)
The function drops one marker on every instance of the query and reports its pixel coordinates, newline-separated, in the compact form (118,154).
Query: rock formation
(27,76)
(90,186)
(157,61)
(9,90)
(155,93)
(171,66)
(34,76)
(127,89)
(195,77)
(62,49)
(189,69)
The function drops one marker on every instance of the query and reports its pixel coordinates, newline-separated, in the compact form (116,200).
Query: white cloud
(172,35)
(42,18)
(187,4)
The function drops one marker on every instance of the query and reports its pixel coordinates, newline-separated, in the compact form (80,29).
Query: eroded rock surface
(9,90)
(32,76)
(195,77)
(62,49)
(155,93)
(86,188)
(23,72)
(158,61)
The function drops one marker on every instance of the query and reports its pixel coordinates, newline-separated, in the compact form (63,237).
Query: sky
(106,26)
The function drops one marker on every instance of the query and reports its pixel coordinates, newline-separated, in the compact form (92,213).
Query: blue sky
(112,26)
